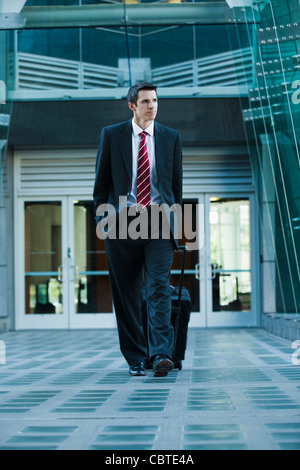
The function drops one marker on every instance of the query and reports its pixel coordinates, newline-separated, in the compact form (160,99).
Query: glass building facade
(271,116)
(243,49)
(169,55)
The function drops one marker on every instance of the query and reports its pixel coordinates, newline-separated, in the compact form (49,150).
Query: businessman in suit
(140,162)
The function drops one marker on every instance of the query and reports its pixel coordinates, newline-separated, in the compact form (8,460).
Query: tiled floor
(71,390)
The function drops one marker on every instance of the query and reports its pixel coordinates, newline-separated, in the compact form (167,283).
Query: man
(140,161)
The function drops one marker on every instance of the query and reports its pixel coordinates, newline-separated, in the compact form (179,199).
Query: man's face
(146,106)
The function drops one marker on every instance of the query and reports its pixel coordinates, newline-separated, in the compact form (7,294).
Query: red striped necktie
(143,174)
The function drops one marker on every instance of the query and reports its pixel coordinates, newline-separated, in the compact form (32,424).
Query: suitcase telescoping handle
(184,249)
(176,309)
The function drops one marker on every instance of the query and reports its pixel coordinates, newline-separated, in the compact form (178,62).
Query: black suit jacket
(114,165)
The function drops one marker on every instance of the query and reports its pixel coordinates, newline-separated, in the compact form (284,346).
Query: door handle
(60,274)
(197,271)
(213,271)
(76,273)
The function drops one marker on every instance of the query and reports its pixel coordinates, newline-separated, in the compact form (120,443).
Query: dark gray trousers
(130,262)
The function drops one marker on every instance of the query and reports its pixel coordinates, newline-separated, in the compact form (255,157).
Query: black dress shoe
(162,365)
(137,369)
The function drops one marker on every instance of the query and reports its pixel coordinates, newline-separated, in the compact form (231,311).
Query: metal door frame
(36,321)
(234,318)
(68,319)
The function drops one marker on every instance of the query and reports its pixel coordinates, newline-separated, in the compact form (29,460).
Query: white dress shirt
(150,142)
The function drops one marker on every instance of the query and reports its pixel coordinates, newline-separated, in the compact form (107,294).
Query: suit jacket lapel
(125,141)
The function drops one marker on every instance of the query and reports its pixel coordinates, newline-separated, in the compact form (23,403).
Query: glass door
(61,272)
(221,275)
(231,267)
(90,295)
(42,283)
(192,236)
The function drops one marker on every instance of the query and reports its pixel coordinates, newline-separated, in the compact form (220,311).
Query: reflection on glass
(230,254)
(192,259)
(92,287)
(43,257)
(43,295)
(228,293)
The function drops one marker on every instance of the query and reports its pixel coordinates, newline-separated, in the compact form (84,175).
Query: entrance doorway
(222,275)
(65,273)
(62,274)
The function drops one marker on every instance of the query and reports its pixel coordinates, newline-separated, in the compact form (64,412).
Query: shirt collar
(137,129)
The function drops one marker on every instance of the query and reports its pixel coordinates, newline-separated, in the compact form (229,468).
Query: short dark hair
(132,95)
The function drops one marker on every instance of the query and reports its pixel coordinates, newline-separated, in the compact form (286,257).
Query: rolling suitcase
(181,312)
